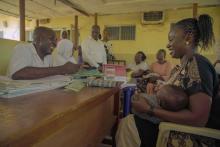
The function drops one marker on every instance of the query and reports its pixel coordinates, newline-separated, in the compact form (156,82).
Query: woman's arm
(196,115)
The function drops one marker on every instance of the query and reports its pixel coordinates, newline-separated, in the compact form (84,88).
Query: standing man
(33,60)
(93,50)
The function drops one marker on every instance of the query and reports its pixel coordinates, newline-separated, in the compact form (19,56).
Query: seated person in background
(93,51)
(169,97)
(64,50)
(140,65)
(33,60)
(161,66)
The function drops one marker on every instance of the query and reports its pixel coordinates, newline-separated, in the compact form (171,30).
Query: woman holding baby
(195,75)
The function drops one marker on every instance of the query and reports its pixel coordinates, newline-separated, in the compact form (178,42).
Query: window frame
(120,31)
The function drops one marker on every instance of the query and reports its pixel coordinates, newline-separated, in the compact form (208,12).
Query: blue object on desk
(128,92)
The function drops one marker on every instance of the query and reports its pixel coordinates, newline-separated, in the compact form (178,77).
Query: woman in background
(139,66)
(162,67)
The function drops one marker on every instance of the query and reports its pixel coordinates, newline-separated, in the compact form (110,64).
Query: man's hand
(141,105)
(100,68)
(85,66)
(70,68)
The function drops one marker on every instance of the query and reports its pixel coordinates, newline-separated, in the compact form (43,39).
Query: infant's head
(172,98)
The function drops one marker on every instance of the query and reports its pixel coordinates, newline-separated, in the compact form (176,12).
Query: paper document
(12,88)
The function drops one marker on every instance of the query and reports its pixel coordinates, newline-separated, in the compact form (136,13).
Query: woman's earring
(187,42)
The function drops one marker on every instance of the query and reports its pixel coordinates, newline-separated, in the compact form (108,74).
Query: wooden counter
(58,118)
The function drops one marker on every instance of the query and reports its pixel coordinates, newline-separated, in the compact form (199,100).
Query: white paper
(12,88)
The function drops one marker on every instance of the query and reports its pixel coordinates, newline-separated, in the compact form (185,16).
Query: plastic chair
(171,134)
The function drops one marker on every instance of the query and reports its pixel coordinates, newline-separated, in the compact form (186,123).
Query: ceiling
(36,9)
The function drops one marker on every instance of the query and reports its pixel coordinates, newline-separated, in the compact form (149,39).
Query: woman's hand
(150,88)
(153,88)
(158,87)
(141,105)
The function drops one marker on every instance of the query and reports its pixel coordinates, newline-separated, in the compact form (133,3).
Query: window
(121,32)
(113,33)
(127,32)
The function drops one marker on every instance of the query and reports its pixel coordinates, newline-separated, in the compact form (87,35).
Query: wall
(6,48)
(149,38)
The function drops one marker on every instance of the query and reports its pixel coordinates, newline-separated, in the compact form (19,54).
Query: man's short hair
(40,31)
(96,26)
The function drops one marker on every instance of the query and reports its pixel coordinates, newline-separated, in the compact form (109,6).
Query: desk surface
(31,114)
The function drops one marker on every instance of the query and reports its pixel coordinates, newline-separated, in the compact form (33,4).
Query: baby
(169,97)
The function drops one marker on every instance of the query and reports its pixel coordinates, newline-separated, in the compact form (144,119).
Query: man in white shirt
(65,48)
(93,50)
(32,61)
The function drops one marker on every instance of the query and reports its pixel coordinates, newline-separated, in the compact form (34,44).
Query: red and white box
(114,72)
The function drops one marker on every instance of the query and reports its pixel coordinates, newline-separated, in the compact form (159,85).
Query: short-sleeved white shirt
(25,55)
(93,52)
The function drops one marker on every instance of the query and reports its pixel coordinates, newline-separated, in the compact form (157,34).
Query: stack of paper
(11,88)
(75,85)
(83,73)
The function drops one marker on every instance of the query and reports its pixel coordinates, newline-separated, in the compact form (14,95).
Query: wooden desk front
(58,118)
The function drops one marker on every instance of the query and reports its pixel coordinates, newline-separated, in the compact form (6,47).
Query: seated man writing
(34,60)
(169,97)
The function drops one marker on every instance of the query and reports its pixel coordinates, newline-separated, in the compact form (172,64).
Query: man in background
(93,50)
